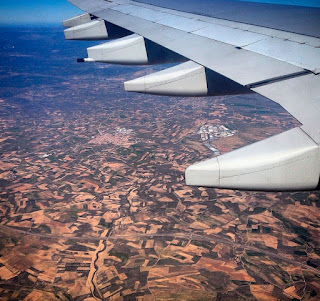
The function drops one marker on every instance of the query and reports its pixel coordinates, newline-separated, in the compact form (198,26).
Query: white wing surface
(227,51)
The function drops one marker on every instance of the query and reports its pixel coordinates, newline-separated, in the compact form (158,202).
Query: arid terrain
(93,203)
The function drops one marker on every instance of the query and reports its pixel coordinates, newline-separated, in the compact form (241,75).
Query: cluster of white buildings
(208,133)
(124,131)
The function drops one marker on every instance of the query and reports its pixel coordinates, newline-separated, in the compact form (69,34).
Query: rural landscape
(93,202)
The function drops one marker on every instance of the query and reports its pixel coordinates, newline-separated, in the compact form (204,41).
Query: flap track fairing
(78,20)
(288,161)
(131,50)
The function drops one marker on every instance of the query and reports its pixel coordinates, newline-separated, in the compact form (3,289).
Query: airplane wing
(224,47)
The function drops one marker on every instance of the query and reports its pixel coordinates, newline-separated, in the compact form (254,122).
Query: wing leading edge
(225,57)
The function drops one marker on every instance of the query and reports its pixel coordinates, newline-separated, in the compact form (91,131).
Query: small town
(210,133)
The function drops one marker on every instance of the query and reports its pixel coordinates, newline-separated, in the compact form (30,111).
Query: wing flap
(300,96)
(300,55)
(232,36)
